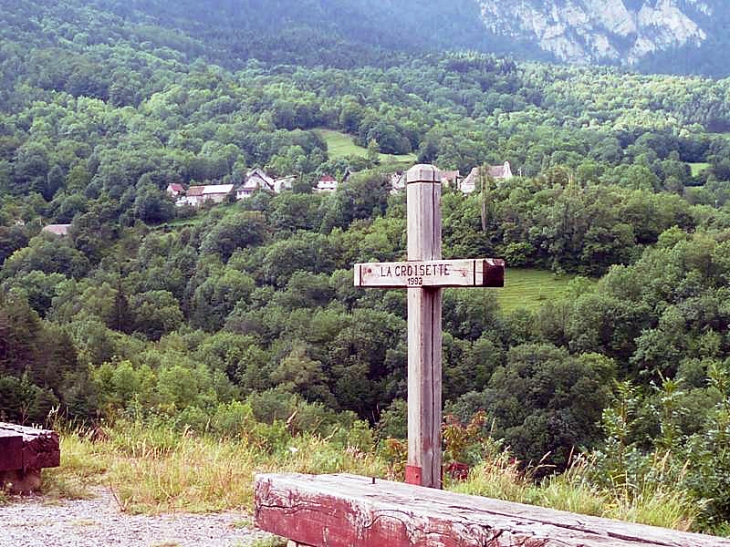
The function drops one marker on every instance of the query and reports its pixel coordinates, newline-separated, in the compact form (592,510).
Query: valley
(185,188)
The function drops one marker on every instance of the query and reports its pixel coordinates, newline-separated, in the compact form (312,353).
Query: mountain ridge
(671,36)
(611,31)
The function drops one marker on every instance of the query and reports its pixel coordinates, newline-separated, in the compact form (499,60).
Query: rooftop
(58,229)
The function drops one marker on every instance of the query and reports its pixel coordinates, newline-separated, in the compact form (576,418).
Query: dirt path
(97,522)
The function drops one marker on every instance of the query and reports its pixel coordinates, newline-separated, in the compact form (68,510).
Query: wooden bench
(353,511)
(24,451)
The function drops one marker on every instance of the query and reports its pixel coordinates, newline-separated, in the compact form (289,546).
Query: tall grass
(153,469)
(654,503)
(156,470)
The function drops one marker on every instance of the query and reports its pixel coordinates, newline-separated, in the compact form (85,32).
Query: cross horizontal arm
(483,272)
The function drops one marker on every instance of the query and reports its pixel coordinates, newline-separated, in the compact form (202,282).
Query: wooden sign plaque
(487,272)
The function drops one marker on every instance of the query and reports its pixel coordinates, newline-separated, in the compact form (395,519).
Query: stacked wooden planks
(352,511)
(24,451)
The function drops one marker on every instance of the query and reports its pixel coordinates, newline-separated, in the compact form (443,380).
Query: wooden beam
(352,511)
(11,451)
(40,447)
(487,272)
(423,187)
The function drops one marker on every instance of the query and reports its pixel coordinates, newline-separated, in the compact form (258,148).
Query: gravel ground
(97,522)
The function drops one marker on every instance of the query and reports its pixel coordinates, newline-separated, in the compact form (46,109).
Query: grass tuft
(655,504)
(498,478)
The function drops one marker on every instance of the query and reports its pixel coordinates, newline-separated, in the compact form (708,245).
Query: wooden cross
(424,275)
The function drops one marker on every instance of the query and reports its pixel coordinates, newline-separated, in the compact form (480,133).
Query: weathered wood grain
(11,451)
(40,447)
(423,198)
(352,511)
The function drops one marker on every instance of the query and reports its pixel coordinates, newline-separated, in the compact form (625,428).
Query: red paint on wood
(11,451)
(39,448)
(42,452)
(351,511)
(414,475)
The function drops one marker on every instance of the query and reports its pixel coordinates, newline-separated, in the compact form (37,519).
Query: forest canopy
(149,310)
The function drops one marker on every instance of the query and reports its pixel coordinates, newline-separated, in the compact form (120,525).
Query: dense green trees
(181,314)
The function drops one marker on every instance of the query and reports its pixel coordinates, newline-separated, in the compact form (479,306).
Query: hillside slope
(679,36)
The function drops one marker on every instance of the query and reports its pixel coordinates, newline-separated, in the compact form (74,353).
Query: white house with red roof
(212,193)
(256,179)
(327,184)
(175,190)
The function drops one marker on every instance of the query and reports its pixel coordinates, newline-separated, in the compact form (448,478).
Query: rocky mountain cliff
(624,32)
(677,36)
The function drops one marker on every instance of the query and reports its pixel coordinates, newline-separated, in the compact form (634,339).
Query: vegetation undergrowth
(661,505)
(153,468)
(656,496)
(270,542)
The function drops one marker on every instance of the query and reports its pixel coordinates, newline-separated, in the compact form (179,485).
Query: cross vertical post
(423,183)
(424,275)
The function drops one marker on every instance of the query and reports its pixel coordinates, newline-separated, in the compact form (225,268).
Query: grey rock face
(616,31)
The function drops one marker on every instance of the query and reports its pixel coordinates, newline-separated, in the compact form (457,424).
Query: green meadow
(530,288)
(697,168)
(341,144)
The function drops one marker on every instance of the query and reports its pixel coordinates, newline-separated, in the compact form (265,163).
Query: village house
(450,178)
(397,182)
(217,193)
(284,183)
(213,193)
(497,172)
(327,184)
(57,229)
(193,197)
(175,190)
(256,179)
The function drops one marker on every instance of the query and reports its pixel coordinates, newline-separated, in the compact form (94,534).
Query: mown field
(697,168)
(340,145)
(530,288)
